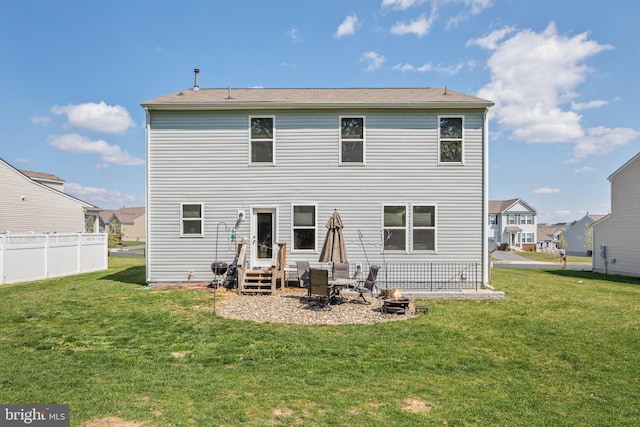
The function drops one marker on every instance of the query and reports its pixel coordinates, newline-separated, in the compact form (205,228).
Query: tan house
(128,222)
(616,237)
(34,202)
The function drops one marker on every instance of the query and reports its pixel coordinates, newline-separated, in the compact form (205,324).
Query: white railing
(26,257)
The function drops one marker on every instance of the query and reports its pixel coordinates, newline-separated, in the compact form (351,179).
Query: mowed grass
(562,349)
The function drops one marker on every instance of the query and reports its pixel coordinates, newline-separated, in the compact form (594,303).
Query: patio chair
(319,287)
(340,270)
(303,273)
(366,286)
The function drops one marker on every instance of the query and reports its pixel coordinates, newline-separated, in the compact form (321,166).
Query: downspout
(146,190)
(485,201)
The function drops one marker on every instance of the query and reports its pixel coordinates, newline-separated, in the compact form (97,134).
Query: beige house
(616,237)
(31,205)
(128,222)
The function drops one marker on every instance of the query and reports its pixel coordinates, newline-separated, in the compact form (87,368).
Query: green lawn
(561,349)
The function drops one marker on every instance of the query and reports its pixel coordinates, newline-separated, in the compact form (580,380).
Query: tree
(588,237)
(561,243)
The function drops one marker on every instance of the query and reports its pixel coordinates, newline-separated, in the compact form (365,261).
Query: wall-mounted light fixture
(23,197)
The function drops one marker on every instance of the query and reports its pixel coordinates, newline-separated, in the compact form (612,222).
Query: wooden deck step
(258,281)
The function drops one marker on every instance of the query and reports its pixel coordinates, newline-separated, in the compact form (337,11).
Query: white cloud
(475,7)
(534,79)
(585,169)
(429,67)
(294,34)
(577,106)
(564,214)
(375,60)
(602,140)
(348,26)
(400,4)
(40,120)
(75,143)
(419,26)
(97,117)
(546,190)
(106,199)
(491,40)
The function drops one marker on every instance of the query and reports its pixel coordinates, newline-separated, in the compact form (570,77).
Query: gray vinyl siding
(202,157)
(42,210)
(619,230)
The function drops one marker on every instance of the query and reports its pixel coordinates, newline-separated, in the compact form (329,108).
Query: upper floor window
(262,140)
(424,228)
(450,139)
(191,219)
(511,219)
(526,219)
(395,228)
(304,227)
(493,219)
(352,139)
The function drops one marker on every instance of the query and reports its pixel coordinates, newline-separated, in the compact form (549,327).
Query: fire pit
(395,303)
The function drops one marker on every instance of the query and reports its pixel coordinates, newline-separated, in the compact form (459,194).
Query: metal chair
(319,287)
(366,286)
(303,273)
(340,270)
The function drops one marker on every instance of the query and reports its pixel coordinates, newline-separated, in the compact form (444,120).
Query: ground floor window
(424,228)
(395,228)
(526,237)
(304,227)
(191,219)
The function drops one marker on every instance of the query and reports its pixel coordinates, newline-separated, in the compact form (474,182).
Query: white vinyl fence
(26,257)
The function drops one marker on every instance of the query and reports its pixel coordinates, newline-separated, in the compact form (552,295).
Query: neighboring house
(28,205)
(578,236)
(47,179)
(513,223)
(405,168)
(548,235)
(128,222)
(616,237)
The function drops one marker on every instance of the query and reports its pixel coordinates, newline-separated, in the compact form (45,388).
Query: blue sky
(563,75)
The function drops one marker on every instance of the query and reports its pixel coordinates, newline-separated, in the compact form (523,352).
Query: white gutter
(485,201)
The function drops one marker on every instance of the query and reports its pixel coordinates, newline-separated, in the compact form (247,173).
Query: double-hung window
(262,145)
(352,144)
(395,228)
(526,237)
(191,219)
(304,227)
(511,219)
(423,220)
(493,219)
(526,219)
(450,139)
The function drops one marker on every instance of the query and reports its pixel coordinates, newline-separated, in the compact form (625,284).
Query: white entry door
(263,237)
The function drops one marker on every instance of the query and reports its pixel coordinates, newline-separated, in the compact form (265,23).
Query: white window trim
(451,116)
(364,139)
(188,235)
(273,140)
(434,228)
(406,249)
(315,244)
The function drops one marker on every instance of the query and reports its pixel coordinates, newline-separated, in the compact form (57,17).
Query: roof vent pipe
(195,83)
